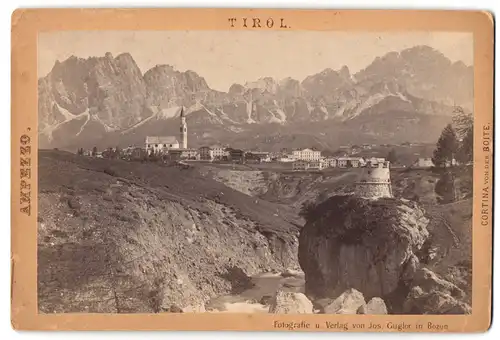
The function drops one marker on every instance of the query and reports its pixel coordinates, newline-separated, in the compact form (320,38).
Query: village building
(237,155)
(306,154)
(186,154)
(342,162)
(161,144)
(206,153)
(350,162)
(137,153)
(286,159)
(331,162)
(317,164)
(258,156)
(219,152)
(300,165)
(374,161)
(357,162)
(423,162)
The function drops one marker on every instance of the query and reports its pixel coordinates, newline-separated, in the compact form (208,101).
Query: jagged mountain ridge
(102,100)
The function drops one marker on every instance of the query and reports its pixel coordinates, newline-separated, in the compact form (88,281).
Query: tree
(464,125)
(80,152)
(94,151)
(445,188)
(392,156)
(463,121)
(466,148)
(446,147)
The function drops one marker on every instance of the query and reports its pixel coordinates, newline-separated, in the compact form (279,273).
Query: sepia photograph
(281,172)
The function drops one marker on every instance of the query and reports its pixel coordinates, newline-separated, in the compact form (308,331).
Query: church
(161,144)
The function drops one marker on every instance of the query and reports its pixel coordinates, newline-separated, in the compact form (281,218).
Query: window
(156,145)
(165,145)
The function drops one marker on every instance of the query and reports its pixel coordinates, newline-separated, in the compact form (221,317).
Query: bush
(353,216)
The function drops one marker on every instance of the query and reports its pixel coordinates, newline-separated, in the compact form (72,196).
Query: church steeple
(183,129)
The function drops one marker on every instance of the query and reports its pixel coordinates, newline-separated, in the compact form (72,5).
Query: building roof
(161,140)
(350,159)
(307,161)
(180,150)
(306,149)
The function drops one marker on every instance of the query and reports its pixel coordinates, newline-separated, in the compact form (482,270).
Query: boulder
(290,303)
(431,294)
(435,302)
(266,300)
(369,245)
(347,303)
(429,281)
(374,306)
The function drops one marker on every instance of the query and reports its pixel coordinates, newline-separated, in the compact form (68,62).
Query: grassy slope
(188,186)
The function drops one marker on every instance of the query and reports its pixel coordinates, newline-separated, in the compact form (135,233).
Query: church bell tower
(183,130)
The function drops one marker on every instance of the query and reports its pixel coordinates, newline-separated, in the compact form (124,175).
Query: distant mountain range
(108,101)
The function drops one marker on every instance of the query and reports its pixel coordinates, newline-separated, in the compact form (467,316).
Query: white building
(286,159)
(423,163)
(219,152)
(331,162)
(317,164)
(302,165)
(306,154)
(155,144)
(375,161)
(161,144)
(350,162)
(206,153)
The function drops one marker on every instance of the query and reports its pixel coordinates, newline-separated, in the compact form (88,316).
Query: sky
(227,57)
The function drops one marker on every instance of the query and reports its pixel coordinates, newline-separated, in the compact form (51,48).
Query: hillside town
(169,149)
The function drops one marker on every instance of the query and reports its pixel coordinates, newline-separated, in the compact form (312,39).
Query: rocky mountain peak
(327,81)
(107,93)
(344,72)
(268,84)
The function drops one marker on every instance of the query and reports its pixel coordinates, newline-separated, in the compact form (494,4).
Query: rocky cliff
(377,248)
(129,237)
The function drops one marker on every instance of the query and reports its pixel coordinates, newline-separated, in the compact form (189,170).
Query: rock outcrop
(431,294)
(353,248)
(350,242)
(290,303)
(347,303)
(374,306)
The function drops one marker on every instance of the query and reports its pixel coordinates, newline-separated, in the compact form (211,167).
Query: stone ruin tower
(374,182)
